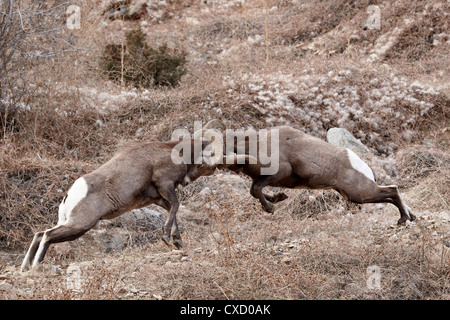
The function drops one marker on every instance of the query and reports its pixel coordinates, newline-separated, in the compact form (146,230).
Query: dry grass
(315,246)
(261,257)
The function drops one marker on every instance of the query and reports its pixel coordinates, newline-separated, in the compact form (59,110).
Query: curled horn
(214,124)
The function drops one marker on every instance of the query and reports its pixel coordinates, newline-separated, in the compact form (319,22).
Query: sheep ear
(234,159)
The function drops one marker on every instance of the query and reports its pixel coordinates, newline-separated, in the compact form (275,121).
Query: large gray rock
(343,138)
(112,240)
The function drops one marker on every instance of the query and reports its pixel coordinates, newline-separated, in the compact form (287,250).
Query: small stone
(139,132)
(175,258)
(216,236)
(6,286)
(447,243)
(414,237)
(286,260)
(197,250)
(122,291)
(342,137)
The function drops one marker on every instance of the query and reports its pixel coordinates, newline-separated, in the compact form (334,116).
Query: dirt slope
(311,64)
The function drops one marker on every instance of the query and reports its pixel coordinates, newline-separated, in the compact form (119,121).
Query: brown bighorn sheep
(141,173)
(306,162)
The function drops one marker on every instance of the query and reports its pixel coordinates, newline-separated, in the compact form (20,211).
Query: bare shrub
(32,32)
(140,65)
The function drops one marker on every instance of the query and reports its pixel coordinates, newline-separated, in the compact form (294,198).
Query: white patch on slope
(360,165)
(76,193)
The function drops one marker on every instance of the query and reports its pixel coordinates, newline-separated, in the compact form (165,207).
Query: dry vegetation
(311,65)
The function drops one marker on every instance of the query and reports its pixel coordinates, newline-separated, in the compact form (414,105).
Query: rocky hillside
(379,69)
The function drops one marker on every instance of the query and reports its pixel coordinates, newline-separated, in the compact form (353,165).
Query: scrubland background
(256,63)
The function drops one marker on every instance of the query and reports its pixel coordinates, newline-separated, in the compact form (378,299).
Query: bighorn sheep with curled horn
(307,162)
(139,174)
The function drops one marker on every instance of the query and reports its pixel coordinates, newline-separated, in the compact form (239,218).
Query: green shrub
(143,66)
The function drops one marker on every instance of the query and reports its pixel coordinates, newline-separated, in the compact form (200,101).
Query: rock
(216,237)
(286,260)
(122,291)
(176,255)
(139,132)
(111,240)
(157,296)
(197,250)
(206,191)
(30,282)
(343,138)
(27,293)
(123,9)
(6,286)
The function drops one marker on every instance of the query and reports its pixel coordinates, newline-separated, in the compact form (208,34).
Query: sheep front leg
(176,237)
(276,197)
(168,193)
(256,191)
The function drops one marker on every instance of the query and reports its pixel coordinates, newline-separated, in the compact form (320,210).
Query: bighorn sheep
(141,173)
(306,162)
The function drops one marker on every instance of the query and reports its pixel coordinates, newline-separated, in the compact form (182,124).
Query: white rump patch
(76,193)
(360,165)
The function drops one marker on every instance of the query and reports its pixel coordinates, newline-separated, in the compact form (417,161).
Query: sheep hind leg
(27,261)
(276,197)
(166,205)
(60,233)
(394,197)
(384,194)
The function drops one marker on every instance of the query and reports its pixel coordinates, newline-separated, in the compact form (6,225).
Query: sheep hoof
(278,197)
(25,268)
(178,243)
(166,239)
(269,208)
